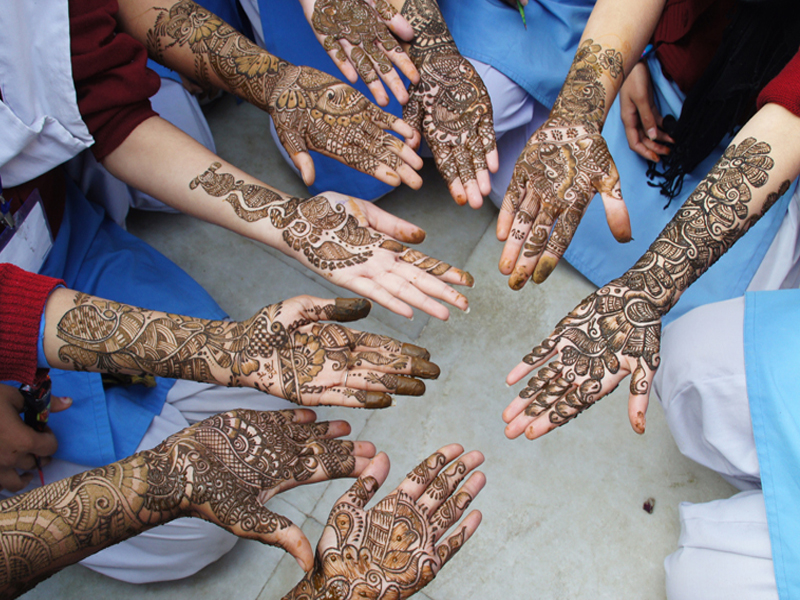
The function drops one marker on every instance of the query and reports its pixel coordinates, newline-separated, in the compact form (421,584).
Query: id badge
(28,244)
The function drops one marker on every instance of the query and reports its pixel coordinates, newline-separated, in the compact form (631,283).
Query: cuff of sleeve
(785,88)
(41,360)
(22,303)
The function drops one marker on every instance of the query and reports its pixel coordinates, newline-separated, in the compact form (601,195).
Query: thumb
(305,164)
(619,221)
(276,530)
(59,403)
(343,310)
(639,399)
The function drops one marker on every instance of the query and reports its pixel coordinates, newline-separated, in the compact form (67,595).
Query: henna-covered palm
(397,547)
(311,110)
(357,34)
(282,350)
(314,111)
(351,242)
(617,330)
(450,106)
(563,165)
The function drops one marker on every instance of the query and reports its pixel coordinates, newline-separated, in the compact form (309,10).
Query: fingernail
(640,423)
(349,309)
(466,311)
(517,279)
(417,351)
(421,367)
(507,385)
(652,133)
(377,400)
(67,401)
(408,386)
(300,562)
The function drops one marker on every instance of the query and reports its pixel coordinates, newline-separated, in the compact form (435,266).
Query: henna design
(310,109)
(450,104)
(324,231)
(220,469)
(566,161)
(387,552)
(623,318)
(274,351)
(360,25)
(425,472)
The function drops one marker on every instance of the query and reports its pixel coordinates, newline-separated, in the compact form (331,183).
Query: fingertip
(639,422)
(543,269)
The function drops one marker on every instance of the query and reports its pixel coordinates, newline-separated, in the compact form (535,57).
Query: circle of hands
(399,545)
(224,469)
(313,111)
(451,107)
(614,332)
(284,350)
(555,178)
(359,35)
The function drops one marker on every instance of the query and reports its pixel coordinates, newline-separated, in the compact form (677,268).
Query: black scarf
(761,39)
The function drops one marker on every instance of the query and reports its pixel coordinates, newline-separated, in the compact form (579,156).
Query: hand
(350,242)
(284,351)
(20,444)
(612,333)
(554,179)
(225,468)
(641,117)
(357,34)
(396,548)
(314,111)
(451,107)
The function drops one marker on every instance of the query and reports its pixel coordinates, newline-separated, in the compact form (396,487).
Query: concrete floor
(563,516)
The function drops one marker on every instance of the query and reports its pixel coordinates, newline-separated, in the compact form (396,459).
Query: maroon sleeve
(23,296)
(110,72)
(785,88)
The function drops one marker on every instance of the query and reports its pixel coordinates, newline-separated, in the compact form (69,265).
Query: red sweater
(113,85)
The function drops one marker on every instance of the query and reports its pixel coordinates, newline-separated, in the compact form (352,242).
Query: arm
(566,161)
(307,106)
(357,35)
(348,241)
(449,105)
(617,330)
(283,350)
(397,547)
(219,470)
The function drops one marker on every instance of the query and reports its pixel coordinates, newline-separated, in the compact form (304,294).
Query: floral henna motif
(622,320)
(360,25)
(310,109)
(450,104)
(221,469)
(326,234)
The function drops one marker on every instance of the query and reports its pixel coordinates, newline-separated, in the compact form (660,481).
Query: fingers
(458,538)
(304,164)
(442,488)
(399,26)
(365,379)
(418,480)
(342,310)
(388,224)
(353,398)
(639,398)
(12,481)
(368,483)
(619,221)
(276,530)
(59,403)
(456,505)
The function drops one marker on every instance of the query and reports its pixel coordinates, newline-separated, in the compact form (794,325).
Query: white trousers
(181,547)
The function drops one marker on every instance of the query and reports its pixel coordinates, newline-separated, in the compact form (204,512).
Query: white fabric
(174,104)
(39,118)
(181,547)
(516,117)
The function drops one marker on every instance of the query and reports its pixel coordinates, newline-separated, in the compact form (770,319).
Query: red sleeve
(23,296)
(785,88)
(110,72)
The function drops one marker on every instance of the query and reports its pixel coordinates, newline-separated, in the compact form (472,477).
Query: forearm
(612,42)
(755,170)
(86,333)
(61,523)
(189,39)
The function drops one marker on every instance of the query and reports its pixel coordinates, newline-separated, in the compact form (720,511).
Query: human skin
(616,331)
(222,469)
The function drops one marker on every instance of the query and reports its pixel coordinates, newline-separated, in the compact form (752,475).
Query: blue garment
(538,60)
(288,35)
(94,255)
(772,348)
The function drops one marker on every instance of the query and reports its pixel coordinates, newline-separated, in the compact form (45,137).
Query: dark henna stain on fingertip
(468,279)
(408,386)
(412,350)
(543,270)
(377,400)
(421,367)
(349,309)
(417,237)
